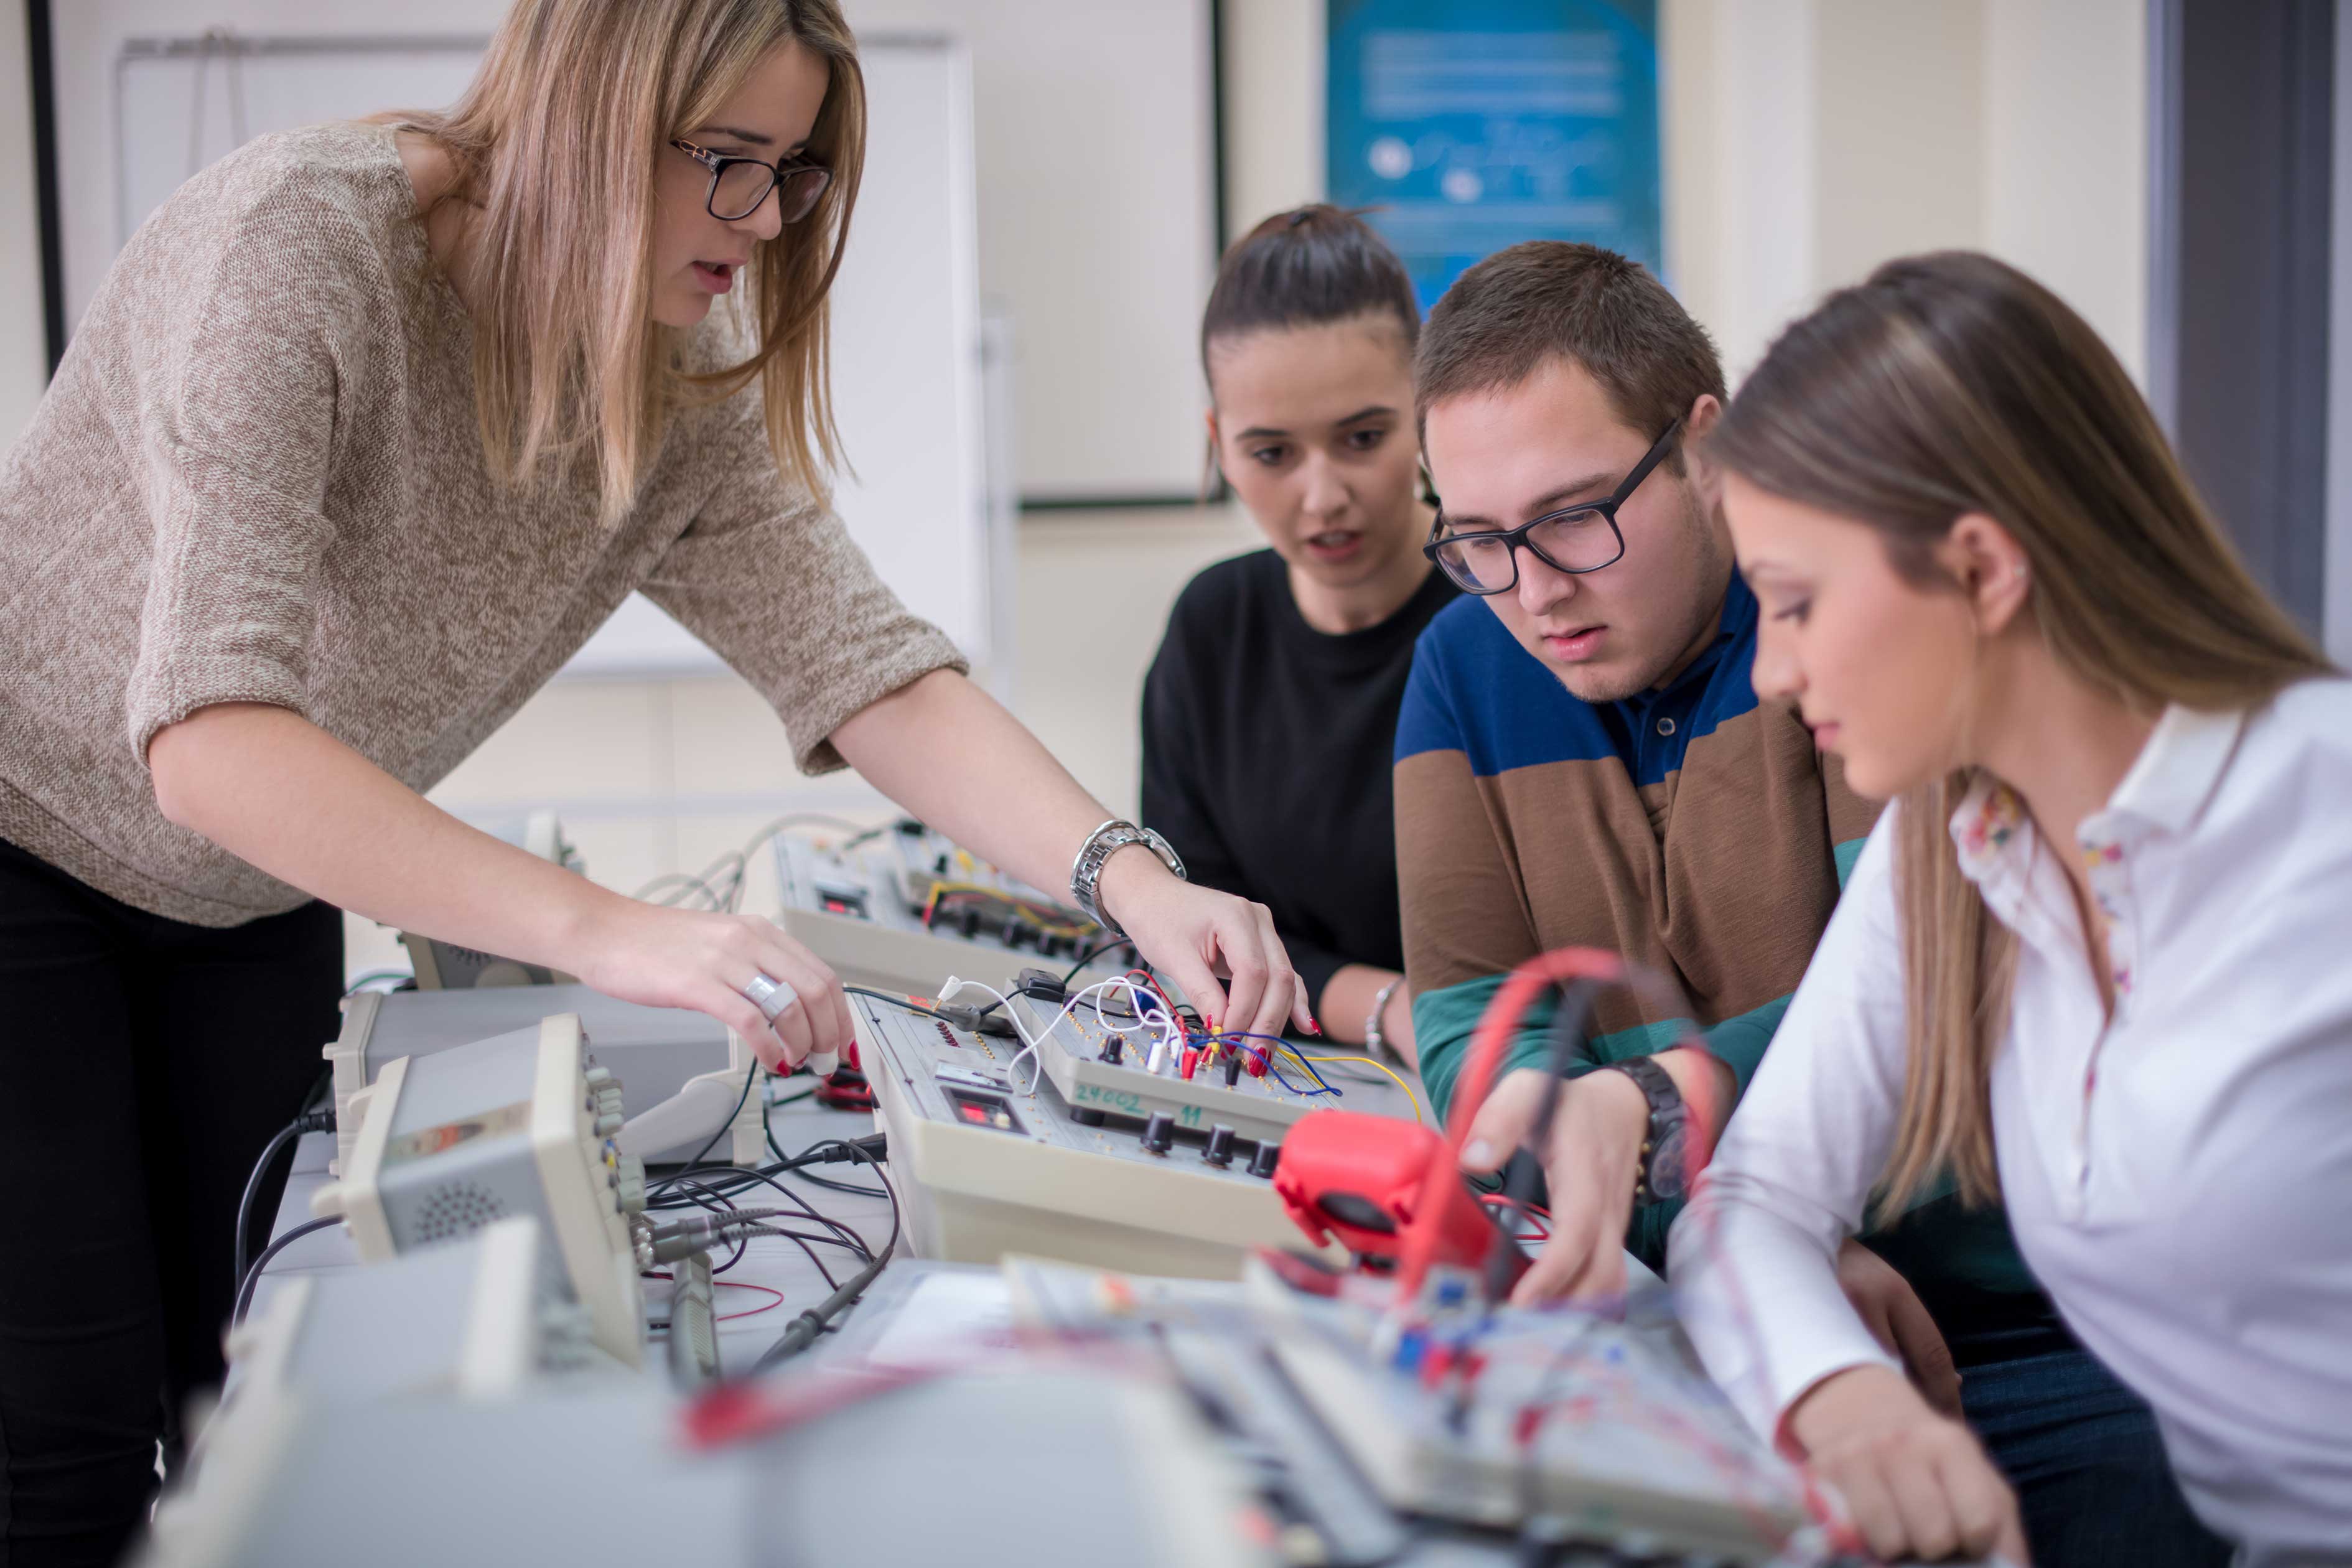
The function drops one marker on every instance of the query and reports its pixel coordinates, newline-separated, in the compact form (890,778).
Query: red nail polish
(1314,1028)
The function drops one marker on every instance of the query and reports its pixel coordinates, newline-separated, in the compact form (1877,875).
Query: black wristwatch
(1662,1174)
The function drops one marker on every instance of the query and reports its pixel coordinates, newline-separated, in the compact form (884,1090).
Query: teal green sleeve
(1442,1023)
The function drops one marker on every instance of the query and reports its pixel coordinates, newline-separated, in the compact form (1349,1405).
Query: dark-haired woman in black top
(1270,712)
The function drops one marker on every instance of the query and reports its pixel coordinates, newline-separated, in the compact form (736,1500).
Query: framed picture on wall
(1469,125)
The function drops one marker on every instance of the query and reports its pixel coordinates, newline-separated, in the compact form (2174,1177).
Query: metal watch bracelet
(1085,871)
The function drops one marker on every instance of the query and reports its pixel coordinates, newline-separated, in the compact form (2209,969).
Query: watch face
(1668,1178)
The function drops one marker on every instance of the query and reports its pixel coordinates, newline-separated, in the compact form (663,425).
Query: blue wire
(1267,1050)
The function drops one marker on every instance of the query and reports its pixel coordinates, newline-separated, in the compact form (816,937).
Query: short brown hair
(1547,300)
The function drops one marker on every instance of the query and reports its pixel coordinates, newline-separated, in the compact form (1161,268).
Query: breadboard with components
(903,906)
(1102,1068)
(993,1160)
(1609,1428)
(1597,1434)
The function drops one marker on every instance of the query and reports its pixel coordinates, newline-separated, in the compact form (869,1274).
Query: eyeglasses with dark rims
(738,185)
(1575,539)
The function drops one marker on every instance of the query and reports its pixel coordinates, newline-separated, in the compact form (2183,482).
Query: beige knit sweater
(257,477)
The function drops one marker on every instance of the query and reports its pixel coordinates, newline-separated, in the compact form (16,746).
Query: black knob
(1219,1151)
(1112,1050)
(1233,1068)
(1159,1133)
(1085,1116)
(1268,1155)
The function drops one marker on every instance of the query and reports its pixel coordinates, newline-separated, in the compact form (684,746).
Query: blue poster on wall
(1473,124)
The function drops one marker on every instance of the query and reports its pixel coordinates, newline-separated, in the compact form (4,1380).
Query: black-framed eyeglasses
(738,185)
(1575,539)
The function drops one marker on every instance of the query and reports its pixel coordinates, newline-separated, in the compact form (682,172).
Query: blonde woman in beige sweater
(369,429)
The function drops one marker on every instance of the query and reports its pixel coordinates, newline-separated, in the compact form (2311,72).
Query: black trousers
(144,1064)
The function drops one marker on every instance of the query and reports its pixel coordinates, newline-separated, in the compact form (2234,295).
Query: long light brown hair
(1953,383)
(555,145)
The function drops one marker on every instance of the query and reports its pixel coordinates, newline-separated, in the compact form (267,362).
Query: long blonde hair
(554,146)
(1953,383)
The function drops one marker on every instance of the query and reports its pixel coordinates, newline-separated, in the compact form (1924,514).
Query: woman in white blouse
(2096,958)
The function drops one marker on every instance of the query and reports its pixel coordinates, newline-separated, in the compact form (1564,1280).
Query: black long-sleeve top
(1267,757)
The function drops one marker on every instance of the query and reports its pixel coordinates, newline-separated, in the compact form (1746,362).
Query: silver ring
(769,994)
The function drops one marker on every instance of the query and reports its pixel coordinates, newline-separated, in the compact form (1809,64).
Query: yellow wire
(939,889)
(1369,1062)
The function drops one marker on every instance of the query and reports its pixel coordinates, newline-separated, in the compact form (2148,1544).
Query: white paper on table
(945,1318)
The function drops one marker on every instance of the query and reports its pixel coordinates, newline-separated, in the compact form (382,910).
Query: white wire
(1029,1043)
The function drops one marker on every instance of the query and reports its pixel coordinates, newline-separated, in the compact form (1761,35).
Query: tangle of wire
(718,886)
(715,1186)
(1174,1028)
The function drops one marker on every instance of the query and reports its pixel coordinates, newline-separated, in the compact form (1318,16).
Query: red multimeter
(1360,1179)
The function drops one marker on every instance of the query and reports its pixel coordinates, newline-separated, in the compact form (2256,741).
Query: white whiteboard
(1095,135)
(1093,140)
(906,362)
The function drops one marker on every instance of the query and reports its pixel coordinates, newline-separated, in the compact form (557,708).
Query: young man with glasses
(1582,761)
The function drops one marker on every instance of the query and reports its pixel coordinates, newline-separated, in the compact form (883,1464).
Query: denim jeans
(2089,1467)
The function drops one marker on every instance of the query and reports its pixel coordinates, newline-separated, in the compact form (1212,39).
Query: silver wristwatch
(1100,844)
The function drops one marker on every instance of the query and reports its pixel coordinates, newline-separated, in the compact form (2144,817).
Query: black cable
(719,1132)
(308,1121)
(252,1274)
(829,1184)
(1089,956)
(844,1236)
(737,1179)
(899,1001)
(786,1164)
(803,1330)
(723,1206)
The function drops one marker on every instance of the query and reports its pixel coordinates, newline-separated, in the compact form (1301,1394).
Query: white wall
(24,351)
(1809,140)
(2067,158)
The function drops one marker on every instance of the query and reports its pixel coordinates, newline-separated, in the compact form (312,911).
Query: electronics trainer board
(902,907)
(1145,1172)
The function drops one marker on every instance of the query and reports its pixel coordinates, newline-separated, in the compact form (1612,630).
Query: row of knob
(1159,1137)
(604,1100)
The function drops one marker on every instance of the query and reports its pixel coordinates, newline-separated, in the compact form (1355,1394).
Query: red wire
(1487,1046)
(734,1285)
(1165,1000)
(748,1311)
